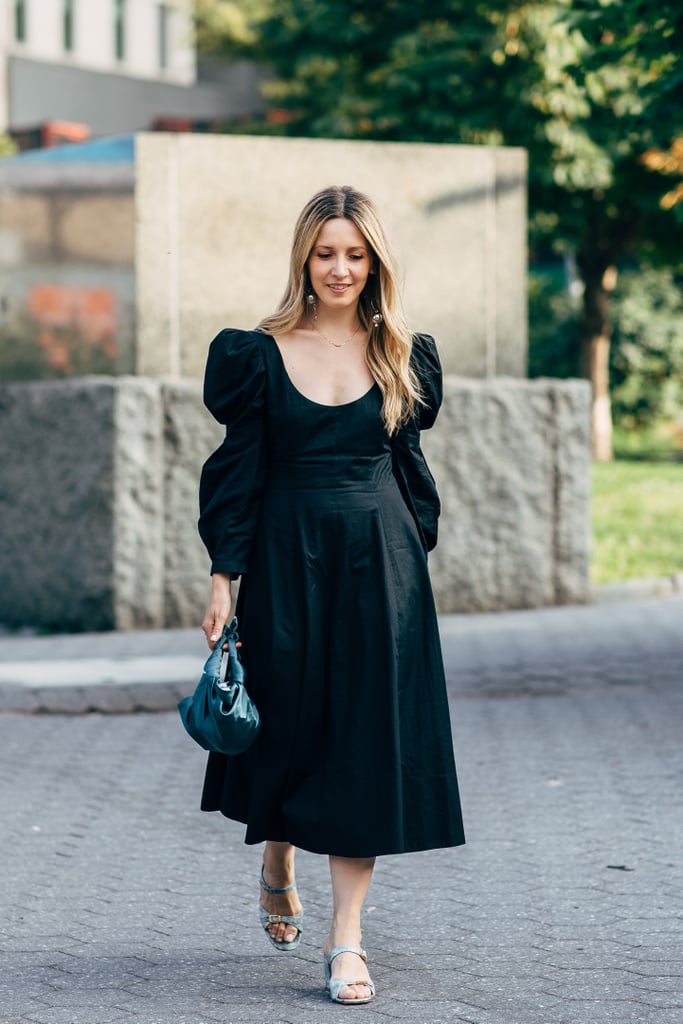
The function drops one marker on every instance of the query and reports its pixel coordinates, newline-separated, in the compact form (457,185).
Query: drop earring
(312,305)
(377,317)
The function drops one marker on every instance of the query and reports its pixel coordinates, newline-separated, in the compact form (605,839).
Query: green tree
(647,354)
(589,87)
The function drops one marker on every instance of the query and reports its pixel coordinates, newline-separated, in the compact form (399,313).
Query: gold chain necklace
(334,343)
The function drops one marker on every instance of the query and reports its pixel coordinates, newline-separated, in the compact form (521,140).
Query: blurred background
(592,90)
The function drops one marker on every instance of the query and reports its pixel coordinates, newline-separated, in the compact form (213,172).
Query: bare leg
(278,872)
(350,882)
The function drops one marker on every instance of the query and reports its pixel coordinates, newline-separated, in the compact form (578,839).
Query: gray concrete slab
(108,672)
(122,902)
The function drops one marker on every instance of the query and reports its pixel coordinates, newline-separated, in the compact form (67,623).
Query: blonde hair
(389,343)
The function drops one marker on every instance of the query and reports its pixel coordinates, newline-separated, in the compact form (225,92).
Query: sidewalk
(123,904)
(148,670)
(151,670)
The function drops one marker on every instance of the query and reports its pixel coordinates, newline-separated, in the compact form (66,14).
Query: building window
(68,25)
(20,20)
(120,29)
(163,18)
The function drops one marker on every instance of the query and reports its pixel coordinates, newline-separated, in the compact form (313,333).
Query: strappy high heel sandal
(335,985)
(297,920)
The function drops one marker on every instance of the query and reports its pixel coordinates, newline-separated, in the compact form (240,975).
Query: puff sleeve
(414,478)
(233,476)
(427,365)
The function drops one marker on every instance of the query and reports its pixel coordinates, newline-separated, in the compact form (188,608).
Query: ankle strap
(275,892)
(346,949)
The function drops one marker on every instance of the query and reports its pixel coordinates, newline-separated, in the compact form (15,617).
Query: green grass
(661,441)
(637,513)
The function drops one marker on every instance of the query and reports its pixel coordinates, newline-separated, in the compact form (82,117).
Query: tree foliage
(553,325)
(584,85)
(647,350)
(646,359)
(587,87)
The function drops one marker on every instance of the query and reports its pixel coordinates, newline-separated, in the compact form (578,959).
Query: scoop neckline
(312,401)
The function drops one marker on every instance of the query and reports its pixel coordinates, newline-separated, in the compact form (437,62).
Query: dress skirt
(341,645)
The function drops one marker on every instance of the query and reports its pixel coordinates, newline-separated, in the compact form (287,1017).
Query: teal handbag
(220,715)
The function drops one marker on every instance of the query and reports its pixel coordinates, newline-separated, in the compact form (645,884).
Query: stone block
(156,257)
(56,504)
(509,464)
(80,506)
(571,404)
(510,257)
(190,435)
(138,506)
(214,236)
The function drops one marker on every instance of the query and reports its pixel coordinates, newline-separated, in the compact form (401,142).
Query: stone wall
(511,461)
(98,503)
(81,504)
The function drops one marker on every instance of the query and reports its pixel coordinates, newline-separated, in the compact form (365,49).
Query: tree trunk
(596,333)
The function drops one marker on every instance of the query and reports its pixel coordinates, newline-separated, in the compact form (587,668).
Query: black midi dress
(336,615)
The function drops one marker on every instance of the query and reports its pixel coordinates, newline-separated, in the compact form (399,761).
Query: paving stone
(123,903)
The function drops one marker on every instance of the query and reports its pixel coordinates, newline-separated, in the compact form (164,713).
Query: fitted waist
(339,472)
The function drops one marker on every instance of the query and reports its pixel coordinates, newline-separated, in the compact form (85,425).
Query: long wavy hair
(389,342)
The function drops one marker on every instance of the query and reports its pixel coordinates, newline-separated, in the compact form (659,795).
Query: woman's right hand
(219,609)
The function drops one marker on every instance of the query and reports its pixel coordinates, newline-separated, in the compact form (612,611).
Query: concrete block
(56,504)
(190,435)
(571,461)
(214,235)
(62,700)
(138,504)
(491,463)
(156,258)
(510,259)
(514,526)
(81,504)
(17,699)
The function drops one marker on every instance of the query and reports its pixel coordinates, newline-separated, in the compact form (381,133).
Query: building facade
(116,66)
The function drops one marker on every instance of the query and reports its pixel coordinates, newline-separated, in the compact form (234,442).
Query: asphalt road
(122,902)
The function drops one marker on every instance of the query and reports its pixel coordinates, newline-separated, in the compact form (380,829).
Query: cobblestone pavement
(121,902)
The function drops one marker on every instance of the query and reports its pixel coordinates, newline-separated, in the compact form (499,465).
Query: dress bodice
(272,427)
(300,429)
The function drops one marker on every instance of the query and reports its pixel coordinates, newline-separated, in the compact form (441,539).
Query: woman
(321,500)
